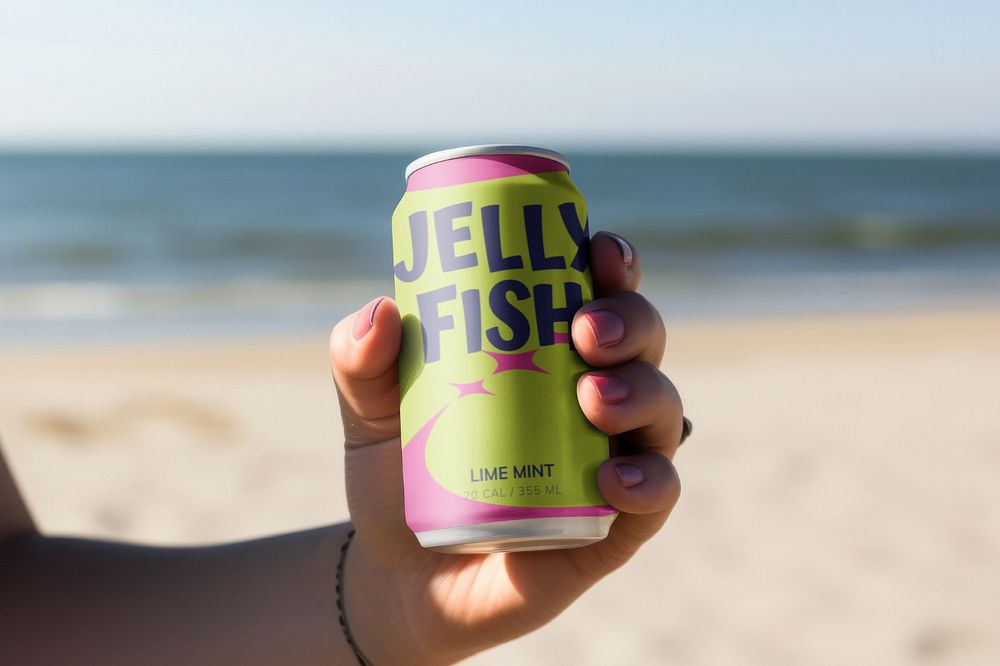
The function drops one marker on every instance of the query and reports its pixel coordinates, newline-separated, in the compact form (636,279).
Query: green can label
(488,276)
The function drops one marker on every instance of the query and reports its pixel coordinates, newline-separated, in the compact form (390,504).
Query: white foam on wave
(62,300)
(77,301)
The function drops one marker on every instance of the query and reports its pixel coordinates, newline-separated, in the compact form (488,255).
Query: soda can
(491,252)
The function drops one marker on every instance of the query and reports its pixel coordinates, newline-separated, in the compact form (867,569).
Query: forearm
(269,601)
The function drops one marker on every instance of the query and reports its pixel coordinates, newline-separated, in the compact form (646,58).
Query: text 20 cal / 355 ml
(492,254)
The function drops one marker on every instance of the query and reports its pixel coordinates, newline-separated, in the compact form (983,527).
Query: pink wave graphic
(430,506)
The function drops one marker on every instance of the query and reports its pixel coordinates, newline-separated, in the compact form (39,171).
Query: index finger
(614,264)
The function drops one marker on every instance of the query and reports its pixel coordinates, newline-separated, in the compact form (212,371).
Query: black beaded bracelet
(341,612)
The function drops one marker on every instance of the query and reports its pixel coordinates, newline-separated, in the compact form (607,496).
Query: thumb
(364,347)
(363,351)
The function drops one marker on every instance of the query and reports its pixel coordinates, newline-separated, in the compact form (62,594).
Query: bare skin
(271,601)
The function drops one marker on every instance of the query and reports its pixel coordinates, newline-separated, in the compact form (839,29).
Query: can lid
(487,149)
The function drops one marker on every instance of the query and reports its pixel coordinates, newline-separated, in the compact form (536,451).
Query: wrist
(341,607)
(382,622)
(367,604)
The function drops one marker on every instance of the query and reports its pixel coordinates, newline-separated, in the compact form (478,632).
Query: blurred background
(191,195)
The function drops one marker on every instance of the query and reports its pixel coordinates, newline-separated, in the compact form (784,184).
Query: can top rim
(485,149)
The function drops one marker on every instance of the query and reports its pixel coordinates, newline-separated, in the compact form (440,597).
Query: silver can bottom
(518,535)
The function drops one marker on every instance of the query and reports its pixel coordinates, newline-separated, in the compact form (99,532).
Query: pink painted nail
(625,248)
(629,474)
(365,319)
(608,327)
(610,388)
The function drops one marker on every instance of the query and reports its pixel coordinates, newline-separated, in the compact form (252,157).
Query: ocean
(117,245)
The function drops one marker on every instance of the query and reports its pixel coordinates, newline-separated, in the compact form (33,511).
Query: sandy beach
(841,492)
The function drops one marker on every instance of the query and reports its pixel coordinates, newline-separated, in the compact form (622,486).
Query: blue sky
(379,73)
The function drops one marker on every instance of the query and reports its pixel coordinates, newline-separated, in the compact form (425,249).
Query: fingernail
(610,388)
(629,474)
(365,319)
(608,327)
(624,247)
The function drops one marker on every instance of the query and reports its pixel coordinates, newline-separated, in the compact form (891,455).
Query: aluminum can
(491,252)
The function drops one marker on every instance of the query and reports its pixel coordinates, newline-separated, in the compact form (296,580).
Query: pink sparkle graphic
(472,388)
(521,361)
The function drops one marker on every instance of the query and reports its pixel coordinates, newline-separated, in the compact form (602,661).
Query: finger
(637,402)
(618,328)
(645,488)
(614,264)
(363,351)
(642,483)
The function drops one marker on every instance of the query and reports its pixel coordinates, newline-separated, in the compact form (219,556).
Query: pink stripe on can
(478,167)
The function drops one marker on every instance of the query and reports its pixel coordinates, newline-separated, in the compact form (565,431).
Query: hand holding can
(413,605)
